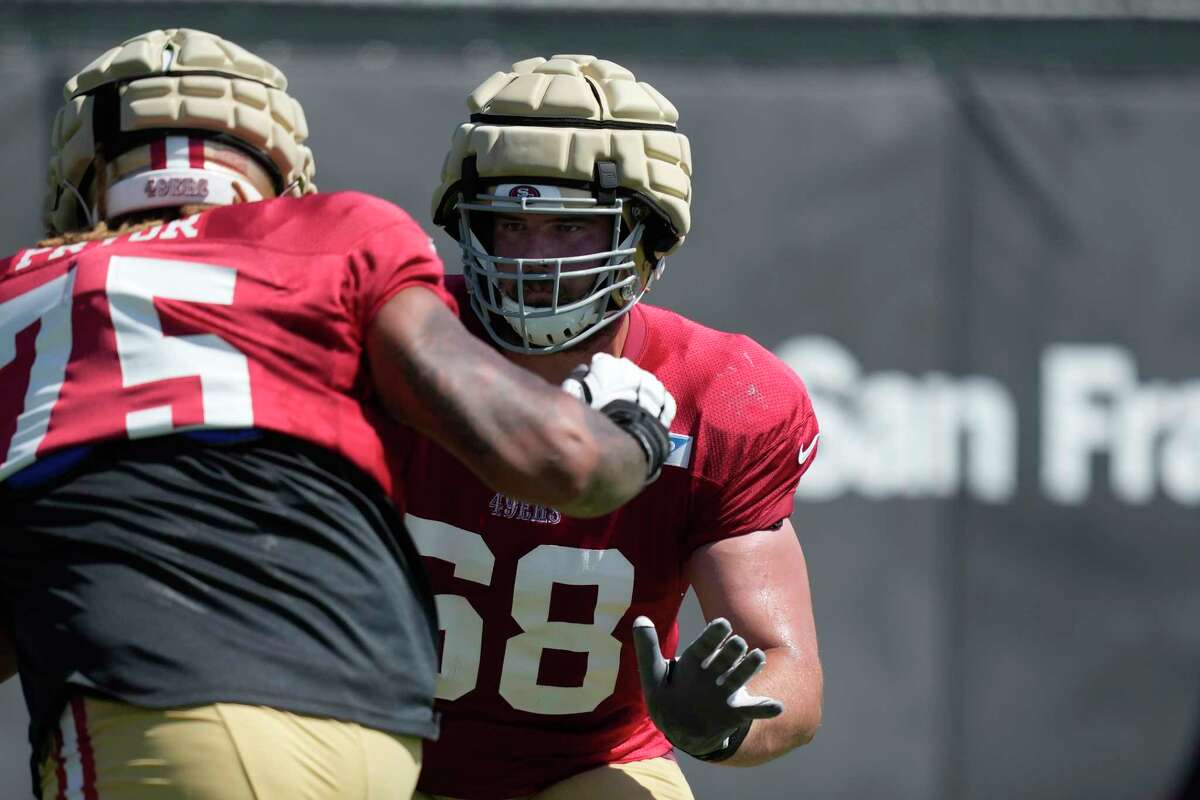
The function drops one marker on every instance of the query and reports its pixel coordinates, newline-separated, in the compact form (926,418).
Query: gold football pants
(659,778)
(104,750)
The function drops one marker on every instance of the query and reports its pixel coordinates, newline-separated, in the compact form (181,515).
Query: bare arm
(518,433)
(759,582)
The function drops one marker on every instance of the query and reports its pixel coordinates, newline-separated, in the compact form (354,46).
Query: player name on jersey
(175,229)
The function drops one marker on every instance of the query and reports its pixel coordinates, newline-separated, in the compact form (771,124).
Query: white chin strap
(551,330)
(160,188)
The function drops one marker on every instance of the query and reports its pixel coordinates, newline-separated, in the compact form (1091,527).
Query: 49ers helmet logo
(523,191)
(189,188)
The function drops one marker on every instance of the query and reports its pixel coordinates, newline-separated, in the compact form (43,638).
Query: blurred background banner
(972,228)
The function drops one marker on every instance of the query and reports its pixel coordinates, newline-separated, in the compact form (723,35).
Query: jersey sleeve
(750,472)
(397,256)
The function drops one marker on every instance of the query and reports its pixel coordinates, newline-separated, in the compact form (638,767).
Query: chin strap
(88,212)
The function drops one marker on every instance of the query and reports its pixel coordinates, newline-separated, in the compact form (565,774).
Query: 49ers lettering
(185,188)
(508,508)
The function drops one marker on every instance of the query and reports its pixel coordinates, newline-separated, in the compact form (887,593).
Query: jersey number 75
(143,352)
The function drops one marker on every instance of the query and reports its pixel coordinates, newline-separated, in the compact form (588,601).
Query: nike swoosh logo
(805,452)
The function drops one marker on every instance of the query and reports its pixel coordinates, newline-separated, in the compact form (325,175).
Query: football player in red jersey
(211,593)
(566,190)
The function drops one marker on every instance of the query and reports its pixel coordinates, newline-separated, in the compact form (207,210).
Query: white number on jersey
(50,303)
(144,352)
(472,561)
(537,572)
(147,355)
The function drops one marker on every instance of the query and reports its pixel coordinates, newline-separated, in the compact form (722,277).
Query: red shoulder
(315,223)
(736,399)
(6,263)
(744,428)
(737,383)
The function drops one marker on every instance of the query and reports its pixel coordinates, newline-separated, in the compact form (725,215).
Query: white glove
(632,398)
(608,378)
(699,699)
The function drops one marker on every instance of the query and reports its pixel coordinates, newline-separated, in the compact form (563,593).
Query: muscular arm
(518,433)
(759,582)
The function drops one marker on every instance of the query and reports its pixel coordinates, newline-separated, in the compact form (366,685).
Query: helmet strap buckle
(606,178)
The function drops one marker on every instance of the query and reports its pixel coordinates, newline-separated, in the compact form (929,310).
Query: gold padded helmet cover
(551,121)
(653,158)
(176,79)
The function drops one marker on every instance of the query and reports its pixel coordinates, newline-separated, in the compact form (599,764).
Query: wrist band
(649,432)
(732,743)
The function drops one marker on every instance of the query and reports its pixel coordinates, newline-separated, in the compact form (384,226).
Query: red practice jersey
(539,679)
(247,316)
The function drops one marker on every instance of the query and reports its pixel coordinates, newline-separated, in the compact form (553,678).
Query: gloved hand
(699,699)
(632,398)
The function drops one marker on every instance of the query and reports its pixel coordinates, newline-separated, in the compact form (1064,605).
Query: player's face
(550,236)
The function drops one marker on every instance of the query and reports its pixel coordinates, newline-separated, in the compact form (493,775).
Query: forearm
(553,450)
(788,677)
(759,582)
(520,434)
(618,477)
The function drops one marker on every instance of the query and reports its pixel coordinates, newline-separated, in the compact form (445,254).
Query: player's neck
(554,367)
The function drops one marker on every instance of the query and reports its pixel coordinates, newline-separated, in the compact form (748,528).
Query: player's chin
(544,298)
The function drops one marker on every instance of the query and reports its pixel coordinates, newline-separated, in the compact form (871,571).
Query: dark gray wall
(943,228)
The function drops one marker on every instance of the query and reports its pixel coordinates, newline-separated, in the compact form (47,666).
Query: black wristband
(650,433)
(731,745)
